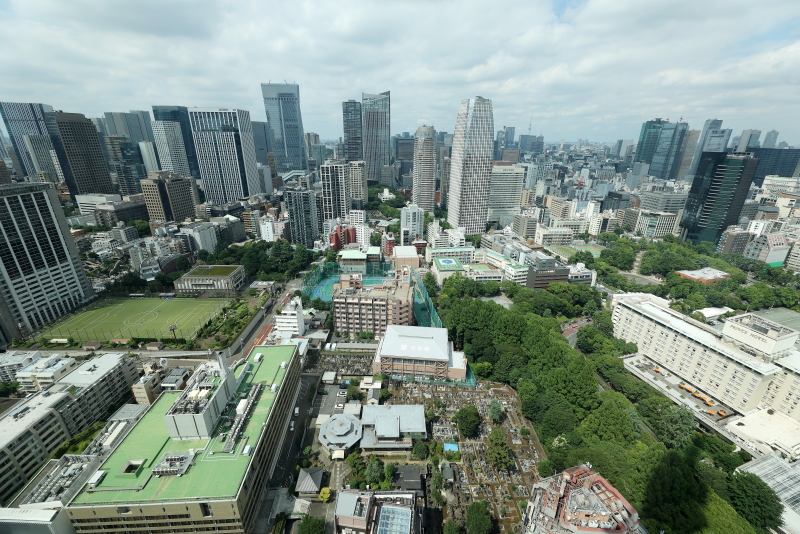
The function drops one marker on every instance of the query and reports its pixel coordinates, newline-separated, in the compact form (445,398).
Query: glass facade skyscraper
(471,166)
(351,121)
(23,119)
(718,192)
(669,150)
(711,125)
(180,114)
(424,171)
(648,139)
(375,133)
(286,139)
(261,141)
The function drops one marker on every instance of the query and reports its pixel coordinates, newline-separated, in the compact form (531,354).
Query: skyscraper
(770,139)
(648,139)
(169,196)
(125,161)
(223,140)
(88,168)
(180,116)
(318,153)
(42,153)
(505,193)
(286,139)
(304,223)
(134,125)
(351,122)
(23,119)
(669,150)
(358,183)
(748,139)
(690,144)
(717,195)
(42,276)
(149,156)
(335,178)
(375,132)
(171,148)
(444,181)
(471,165)
(709,126)
(261,141)
(424,185)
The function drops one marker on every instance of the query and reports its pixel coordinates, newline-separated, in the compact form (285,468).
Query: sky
(568,69)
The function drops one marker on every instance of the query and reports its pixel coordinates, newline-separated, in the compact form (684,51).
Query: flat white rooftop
(26,413)
(415,342)
(768,432)
(92,370)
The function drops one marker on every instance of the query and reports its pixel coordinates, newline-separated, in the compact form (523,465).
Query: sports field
(594,249)
(142,318)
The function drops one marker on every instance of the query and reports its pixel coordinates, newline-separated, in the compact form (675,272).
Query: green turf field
(142,318)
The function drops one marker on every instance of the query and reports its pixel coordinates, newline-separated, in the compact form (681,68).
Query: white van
(291,426)
(296,411)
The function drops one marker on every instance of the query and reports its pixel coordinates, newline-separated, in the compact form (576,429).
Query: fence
(424,310)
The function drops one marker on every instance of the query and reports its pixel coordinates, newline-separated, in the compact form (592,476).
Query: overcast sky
(591,69)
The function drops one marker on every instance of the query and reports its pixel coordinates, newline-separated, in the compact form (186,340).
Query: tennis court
(140,317)
(324,289)
(594,249)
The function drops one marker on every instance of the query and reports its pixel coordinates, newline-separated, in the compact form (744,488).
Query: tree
(420,451)
(451,527)
(182,264)
(497,451)
(375,240)
(429,281)
(353,392)
(755,500)
(325,494)
(374,471)
(143,227)
(478,519)
(388,471)
(482,370)
(355,462)
(312,525)
(495,410)
(468,421)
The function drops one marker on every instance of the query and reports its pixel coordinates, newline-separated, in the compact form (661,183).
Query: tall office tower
(169,196)
(261,141)
(42,277)
(23,119)
(286,139)
(505,193)
(424,185)
(125,160)
(223,140)
(42,153)
(180,115)
(375,134)
(748,139)
(648,140)
(358,184)
(508,136)
(88,168)
(770,139)
(444,181)
(171,148)
(149,156)
(710,125)
(311,138)
(335,178)
(668,151)
(135,125)
(717,195)
(471,166)
(351,122)
(304,222)
(691,142)
(412,224)
(318,153)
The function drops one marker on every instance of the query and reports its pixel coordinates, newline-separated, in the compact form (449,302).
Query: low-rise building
(545,270)
(11,362)
(706,275)
(580,274)
(443,268)
(111,213)
(462,254)
(392,427)
(42,373)
(553,236)
(377,513)
(734,240)
(147,389)
(416,352)
(214,278)
(771,248)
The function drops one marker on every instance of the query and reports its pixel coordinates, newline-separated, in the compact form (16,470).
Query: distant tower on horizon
(286,138)
(375,132)
(771,139)
(471,165)
(424,170)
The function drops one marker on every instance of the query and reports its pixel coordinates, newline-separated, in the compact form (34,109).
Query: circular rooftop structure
(340,432)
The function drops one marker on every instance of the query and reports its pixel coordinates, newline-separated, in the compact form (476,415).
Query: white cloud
(597,71)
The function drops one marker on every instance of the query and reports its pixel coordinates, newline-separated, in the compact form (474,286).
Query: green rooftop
(448,264)
(213,270)
(213,476)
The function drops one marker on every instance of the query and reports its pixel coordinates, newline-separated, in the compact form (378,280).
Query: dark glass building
(286,139)
(180,114)
(648,139)
(351,121)
(776,161)
(718,193)
(261,141)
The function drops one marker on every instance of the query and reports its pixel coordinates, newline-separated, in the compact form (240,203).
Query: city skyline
(552,73)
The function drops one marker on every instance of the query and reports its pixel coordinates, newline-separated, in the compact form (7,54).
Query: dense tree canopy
(469,421)
(478,519)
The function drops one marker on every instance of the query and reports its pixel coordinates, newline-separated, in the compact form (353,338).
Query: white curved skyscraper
(471,165)
(424,174)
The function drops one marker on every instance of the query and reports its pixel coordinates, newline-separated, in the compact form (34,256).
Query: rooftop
(24,414)
(448,264)
(340,431)
(352,255)
(213,474)
(769,432)
(213,270)
(415,342)
(16,357)
(405,252)
(92,370)
(402,418)
(706,273)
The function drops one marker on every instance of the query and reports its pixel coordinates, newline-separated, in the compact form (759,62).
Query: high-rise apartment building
(180,115)
(505,192)
(223,140)
(770,139)
(359,308)
(169,196)
(171,148)
(424,171)
(375,132)
(717,195)
(471,165)
(336,199)
(88,168)
(304,221)
(125,162)
(748,140)
(351,122)
(358,182)
(648,140)
(42,277)
(412,224)
(286,139)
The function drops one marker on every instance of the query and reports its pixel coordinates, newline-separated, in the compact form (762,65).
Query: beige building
(44,372)
(214,278)
(360,308)
(419,352)
(147,389)
(169,196)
